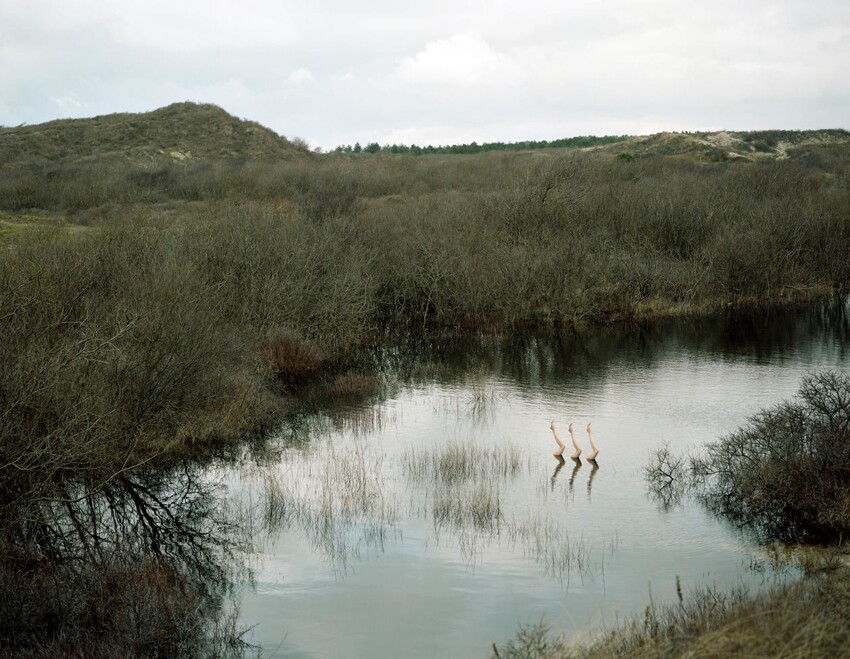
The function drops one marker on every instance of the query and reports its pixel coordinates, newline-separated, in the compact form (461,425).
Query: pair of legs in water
(562,447)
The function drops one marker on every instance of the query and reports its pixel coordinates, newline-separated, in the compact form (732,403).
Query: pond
(433,519)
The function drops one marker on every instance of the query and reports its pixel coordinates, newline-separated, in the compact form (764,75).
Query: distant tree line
(473,147)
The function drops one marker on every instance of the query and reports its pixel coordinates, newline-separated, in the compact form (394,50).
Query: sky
(443,72)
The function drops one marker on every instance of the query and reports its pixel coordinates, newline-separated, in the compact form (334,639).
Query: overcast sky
(438,72)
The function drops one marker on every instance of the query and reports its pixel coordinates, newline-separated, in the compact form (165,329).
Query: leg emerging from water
(561,446)
(577,448)
(594,449)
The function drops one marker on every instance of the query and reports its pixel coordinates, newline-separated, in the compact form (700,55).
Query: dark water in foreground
(433,521)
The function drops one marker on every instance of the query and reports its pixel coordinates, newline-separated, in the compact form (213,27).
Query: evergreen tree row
(474,147)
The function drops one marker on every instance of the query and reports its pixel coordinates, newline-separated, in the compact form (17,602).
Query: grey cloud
(335,72)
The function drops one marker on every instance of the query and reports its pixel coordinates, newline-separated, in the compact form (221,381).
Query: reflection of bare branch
(154,554)
(666,478)
(172,516)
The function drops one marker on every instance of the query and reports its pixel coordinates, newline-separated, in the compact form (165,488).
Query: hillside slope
(196,132)
(730,145)
(177,132)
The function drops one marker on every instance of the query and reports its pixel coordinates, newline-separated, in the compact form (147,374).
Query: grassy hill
(181,131)
(731,145)
(202,132)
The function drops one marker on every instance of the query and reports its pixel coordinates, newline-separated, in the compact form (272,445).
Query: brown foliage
(293,358)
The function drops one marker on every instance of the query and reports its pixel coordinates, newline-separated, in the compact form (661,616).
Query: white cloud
(299,77)
(68,103)
(462,59)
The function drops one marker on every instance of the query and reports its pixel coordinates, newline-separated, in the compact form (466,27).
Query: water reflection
(561,462)
(577,465)
(483,521)
(594,467)
(152,555)
(554,359)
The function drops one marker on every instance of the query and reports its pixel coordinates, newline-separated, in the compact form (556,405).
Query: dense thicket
(512,237)
(138,324)
(144,308)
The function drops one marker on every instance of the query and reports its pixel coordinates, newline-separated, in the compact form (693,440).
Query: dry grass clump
(463,483)
(551,547)
(459,463)
(808,618)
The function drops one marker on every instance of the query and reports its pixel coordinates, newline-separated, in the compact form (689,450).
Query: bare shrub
(783,474)
(786,471)
(293,358)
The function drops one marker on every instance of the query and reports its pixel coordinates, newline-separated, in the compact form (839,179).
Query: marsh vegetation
(483,509)
(806,618)
(783,476)
(156,308)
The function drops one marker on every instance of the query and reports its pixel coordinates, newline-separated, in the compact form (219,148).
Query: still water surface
(374,551)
